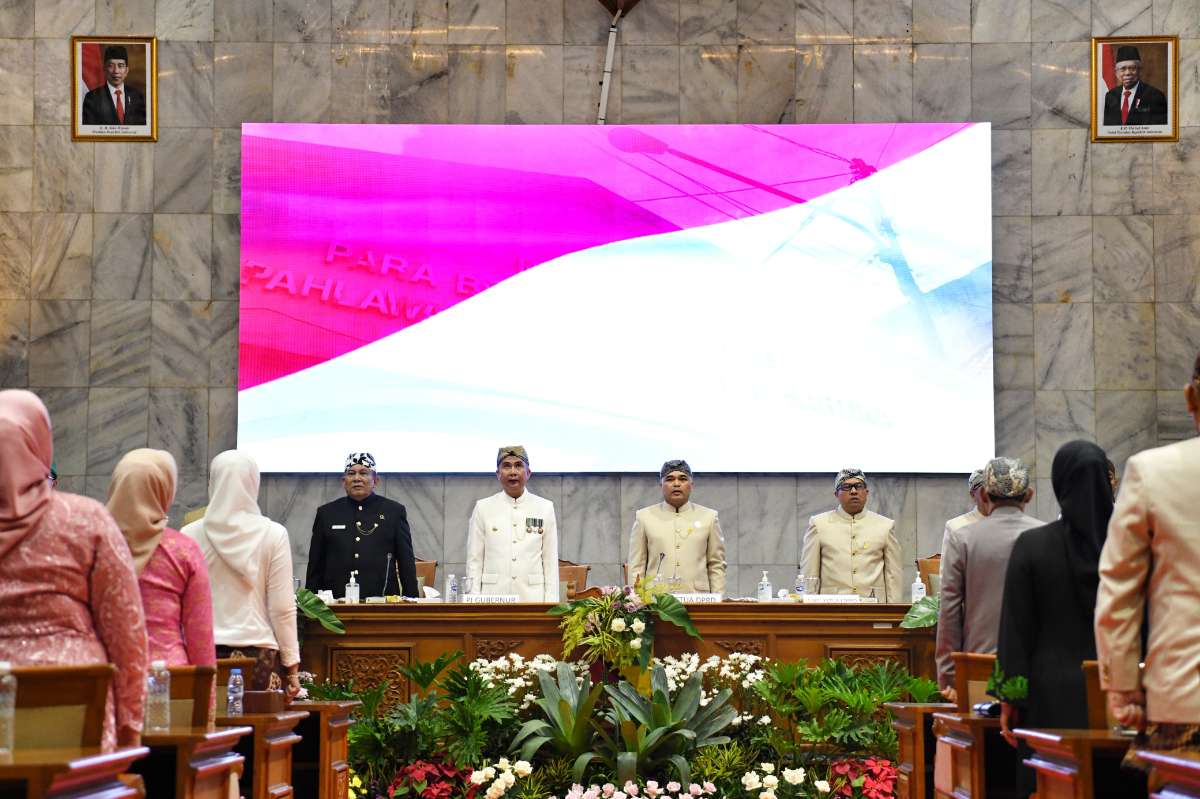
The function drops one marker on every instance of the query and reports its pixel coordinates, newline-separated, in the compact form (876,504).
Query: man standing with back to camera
(357,533)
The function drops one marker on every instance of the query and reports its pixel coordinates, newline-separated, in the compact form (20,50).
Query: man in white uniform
(851,549)
(512,540)
(677,539)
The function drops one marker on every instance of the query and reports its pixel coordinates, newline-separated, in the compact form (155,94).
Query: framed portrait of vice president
(114,88)
(1135,88)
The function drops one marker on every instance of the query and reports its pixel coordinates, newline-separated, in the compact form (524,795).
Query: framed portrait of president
(114,88)
(1135,88)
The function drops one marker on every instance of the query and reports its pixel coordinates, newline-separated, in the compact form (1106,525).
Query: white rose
(765,720)
(768,768)
(793,776)
(489,772)
(638,626)
(636,643)
(750,781)
(618,625)
(766,795)
(477,778)
(522,768)
(508,778)
(503,764)
(822,786)
(771,781)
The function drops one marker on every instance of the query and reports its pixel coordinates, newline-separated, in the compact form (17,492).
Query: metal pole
(602,113)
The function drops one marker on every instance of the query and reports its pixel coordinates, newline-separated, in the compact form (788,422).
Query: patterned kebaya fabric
(177,598)
(69,595)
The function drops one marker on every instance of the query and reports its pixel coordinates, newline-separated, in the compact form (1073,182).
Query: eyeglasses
(852,487)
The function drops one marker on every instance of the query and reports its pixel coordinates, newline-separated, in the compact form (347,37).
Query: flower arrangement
(502,776)
(649,790)
(617,627)
(519,676)
(797,783)
(432,781)
(738,671)
(872,778)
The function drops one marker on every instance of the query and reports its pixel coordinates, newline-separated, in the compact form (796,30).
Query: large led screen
(754,298)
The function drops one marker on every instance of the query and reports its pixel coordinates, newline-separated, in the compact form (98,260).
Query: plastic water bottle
(764,588)
(234,693)
(918,589)
(798,588)
(451,588)
(8,708)
(158,697)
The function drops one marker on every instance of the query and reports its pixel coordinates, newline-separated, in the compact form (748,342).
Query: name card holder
(490,599)
(698,598)
(831,599)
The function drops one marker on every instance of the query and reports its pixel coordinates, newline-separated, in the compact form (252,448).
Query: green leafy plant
(652,735)
(923,689)
(1005,688)
(423,674)
(617,627)
(470,721)
(567,727)
(315,608)
(723,765)
(923,613)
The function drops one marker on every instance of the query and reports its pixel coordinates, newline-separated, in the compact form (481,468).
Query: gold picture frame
(95,65)
(1135,88)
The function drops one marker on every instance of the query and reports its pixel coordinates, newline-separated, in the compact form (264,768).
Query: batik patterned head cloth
(678,465)
(848,474)
(1006,478)
(515,450)
(360,459)
(975,480)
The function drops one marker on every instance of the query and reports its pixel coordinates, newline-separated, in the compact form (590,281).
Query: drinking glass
(468,586)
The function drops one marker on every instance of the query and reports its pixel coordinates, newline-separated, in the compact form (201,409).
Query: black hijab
(1080,479)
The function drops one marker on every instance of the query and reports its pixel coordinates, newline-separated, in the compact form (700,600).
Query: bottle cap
(158,664)
(238,672)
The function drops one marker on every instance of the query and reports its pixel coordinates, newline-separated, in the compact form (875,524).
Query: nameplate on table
(490,599)
(831,599)
(698,598)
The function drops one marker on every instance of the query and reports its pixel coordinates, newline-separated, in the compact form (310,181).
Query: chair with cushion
(61,706)
(930,571)
(191,695)
(575,573)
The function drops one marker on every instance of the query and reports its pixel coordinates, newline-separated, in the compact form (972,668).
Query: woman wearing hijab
(171,572)
(1050,599)
(250,565)
(68,591)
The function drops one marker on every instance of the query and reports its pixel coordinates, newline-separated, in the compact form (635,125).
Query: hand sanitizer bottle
(764,587)
(352,588)
(918,589)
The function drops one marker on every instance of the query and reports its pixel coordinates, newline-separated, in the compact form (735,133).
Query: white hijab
(233,524)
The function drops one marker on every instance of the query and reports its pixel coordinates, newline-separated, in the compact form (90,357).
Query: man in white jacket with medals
(512,540)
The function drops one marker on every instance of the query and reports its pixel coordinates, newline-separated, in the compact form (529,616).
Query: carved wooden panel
(749,647)
(495,648)
(370,666)
(867,655)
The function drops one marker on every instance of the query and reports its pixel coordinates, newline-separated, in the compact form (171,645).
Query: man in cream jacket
(512,539)
(851,549)
(678,540)
(1150,560)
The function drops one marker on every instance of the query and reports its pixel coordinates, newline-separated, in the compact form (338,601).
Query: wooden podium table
(268,752)
(380,638)
(75,772)
(913,723)
(1081,764)
(1178,773)
(191,762)
(319,767)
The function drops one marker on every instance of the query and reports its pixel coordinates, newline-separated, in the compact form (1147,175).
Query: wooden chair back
(61,706)
(428,570)
(930,571)
(971,672)
(224,667)
(1097,704)
(191,695)
(573,573)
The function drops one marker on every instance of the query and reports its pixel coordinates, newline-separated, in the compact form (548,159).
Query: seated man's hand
(950,694)
(1128,708)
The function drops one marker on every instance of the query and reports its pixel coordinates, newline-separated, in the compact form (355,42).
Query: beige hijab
(139,495)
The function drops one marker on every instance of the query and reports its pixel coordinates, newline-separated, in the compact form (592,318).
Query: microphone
(387,572)
(658,566)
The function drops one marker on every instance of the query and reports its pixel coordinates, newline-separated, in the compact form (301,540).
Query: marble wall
(119,262)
